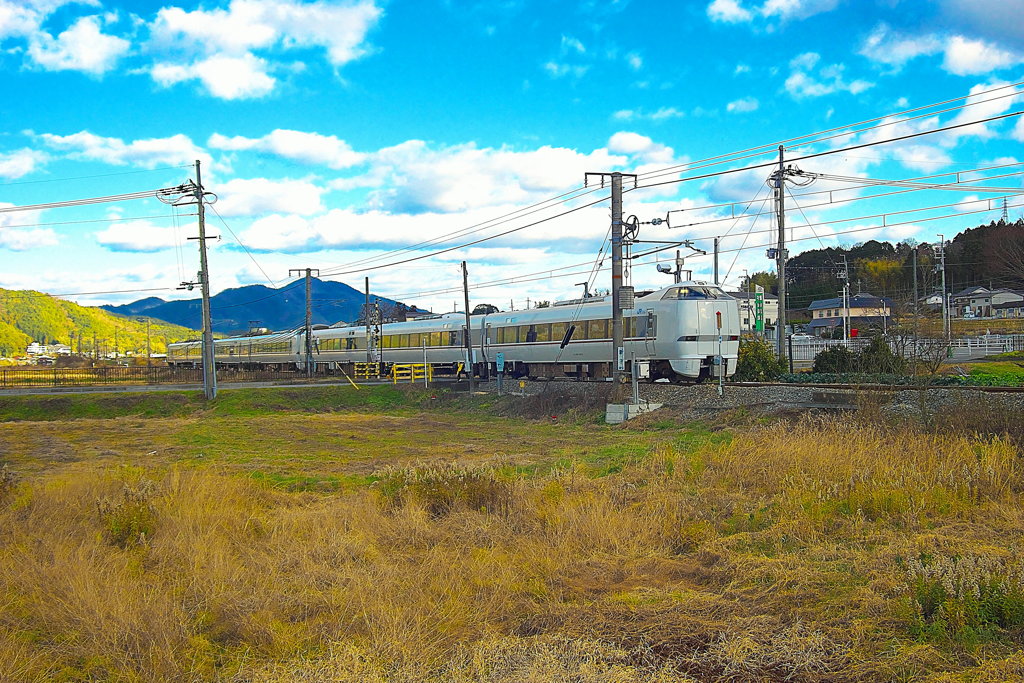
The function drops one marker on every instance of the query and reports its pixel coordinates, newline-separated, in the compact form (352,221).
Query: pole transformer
(309,314)
(618,349)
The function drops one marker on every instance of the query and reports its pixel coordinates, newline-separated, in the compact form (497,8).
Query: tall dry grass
(781,555)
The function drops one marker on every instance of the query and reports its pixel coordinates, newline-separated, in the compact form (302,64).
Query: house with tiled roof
(864,310)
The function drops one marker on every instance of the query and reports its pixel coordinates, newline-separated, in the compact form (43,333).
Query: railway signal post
(618,349)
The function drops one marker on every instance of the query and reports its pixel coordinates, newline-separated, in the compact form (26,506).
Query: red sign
(853,332)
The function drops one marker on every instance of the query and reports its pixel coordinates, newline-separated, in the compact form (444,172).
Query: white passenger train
(674,331)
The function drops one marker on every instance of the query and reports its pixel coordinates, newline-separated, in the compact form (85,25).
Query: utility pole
(716,260)
(469,330)
(149,347)
(618,349)
(115,343)
(209,359)
(95,349)
(945,299)
(915,297)
(678,272)
(780,256)
(309,314)
(366,319)
(846,299)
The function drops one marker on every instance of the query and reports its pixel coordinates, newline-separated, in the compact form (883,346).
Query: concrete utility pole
(115,343)
(149,347)
(945,300)
(780,255)
(469,330)
(618,349)
(209,361)
(309,314)
(366,319)
(716,260)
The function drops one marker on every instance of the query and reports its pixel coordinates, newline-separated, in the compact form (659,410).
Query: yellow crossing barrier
(411,372)
(367,370)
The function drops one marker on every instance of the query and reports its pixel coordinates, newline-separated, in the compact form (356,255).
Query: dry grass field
(389,536)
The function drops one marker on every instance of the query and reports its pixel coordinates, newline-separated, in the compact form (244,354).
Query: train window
(414,339)
(403,340)
(528,333)
(511,335)
(455,338)
(558,331)
(435,338)
(647,326)
(597,329)
(628,327)
(694,292)
(387,341)
(543,332)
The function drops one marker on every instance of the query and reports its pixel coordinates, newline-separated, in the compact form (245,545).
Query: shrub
(835,360)
(965,599)
(878,357)
(758,362)
(442,490)
(131,520)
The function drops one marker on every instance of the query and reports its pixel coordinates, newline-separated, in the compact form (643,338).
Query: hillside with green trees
(27,316)
(989,255)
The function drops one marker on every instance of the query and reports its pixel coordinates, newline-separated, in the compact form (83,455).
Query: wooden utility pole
(469,329)
(309,314)
(366,320)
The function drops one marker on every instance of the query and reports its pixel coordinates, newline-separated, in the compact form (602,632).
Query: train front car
(691,318)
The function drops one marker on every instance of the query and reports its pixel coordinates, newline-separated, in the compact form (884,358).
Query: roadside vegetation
(403,535)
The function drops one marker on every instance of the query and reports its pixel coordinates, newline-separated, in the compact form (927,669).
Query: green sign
(759,308)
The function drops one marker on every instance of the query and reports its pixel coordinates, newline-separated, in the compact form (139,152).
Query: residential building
(1009,309)
(745,300)
(980,302)
(863,310)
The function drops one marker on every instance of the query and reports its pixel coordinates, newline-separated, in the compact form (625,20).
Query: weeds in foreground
(774,554)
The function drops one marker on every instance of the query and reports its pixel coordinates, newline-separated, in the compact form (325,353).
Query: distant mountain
(27,316)
(237,310)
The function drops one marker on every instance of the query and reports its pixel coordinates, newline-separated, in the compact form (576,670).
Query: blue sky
(340,134)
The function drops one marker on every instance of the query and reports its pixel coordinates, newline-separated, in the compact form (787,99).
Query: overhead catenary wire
(726,158)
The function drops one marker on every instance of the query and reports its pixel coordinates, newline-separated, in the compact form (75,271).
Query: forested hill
(989,255)
(27,316)
(236,310)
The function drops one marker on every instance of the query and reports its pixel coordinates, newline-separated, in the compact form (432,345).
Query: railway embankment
(702,400)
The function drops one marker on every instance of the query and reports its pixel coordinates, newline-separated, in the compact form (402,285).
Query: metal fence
(960,348)
(34,377)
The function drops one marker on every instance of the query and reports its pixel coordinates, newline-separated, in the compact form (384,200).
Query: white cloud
(308,148)
(965,57)
(137,236)
(741,69)
(570,44)
(662,114)
(729,11)
(217,46)
(640,147)
(257,196)
(804,82)
(962,56)
(82,47)
(23,240)
(226,77)
(734,12)
(744,104)
(885,46)
(634,61)
(177,149)
(20,163)
(560,69)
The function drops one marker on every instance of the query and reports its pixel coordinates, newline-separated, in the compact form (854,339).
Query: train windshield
(695,292)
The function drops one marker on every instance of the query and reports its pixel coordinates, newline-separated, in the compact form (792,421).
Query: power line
(96,175)
(164,191)
(244,248)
